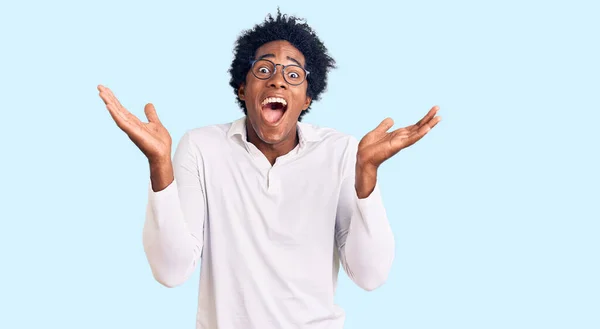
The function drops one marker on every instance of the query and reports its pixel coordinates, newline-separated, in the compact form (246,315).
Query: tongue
(272,115)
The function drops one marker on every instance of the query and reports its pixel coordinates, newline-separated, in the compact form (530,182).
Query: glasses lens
(294,74)
(263,69)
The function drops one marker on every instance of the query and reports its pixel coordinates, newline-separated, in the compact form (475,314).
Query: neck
(273,151)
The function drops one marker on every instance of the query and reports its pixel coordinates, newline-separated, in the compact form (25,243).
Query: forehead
(281,50)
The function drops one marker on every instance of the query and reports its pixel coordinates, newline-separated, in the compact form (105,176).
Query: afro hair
(296,32)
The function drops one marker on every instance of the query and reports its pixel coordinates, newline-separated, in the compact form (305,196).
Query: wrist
(365,180)
(159,161)
(161,173)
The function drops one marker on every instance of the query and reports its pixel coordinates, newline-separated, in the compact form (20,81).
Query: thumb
(384,126)
(151,113)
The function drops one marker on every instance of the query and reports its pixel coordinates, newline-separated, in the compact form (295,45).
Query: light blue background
(495,212)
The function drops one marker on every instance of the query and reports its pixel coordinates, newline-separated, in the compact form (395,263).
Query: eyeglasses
(264,69)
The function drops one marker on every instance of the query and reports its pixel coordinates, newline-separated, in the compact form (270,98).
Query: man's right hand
(152,138)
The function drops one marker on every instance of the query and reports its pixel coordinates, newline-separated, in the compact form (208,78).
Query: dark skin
(273,140)
(278,139)
(380,145)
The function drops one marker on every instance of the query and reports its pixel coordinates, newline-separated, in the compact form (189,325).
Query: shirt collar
(306,132)
(238,127)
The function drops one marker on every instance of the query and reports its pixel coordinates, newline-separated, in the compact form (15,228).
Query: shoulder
(206,137)
(213,133)
(332,146)
(327,137)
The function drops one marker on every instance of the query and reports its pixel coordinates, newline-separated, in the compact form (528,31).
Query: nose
(277,80)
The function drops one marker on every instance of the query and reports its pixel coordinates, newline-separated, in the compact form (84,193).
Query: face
(273,105)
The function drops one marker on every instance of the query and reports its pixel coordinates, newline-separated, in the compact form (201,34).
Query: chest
(292,203)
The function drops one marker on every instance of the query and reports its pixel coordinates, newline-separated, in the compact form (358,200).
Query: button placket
(271,180)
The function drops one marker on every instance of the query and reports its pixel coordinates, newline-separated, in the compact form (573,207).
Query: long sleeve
(363,234)
(175,217)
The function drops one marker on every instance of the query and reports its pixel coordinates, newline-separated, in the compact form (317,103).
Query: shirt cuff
(164,199)
(372,206)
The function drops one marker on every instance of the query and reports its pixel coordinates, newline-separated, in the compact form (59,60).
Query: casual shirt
(269,238)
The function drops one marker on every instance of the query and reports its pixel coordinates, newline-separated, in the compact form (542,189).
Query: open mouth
(273,109)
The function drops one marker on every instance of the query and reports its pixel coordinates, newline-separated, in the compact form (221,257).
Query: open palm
(379,144)
(151,137)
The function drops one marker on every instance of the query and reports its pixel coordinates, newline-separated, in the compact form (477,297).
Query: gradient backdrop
(495,212)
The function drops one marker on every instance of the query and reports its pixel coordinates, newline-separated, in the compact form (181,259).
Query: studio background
(495,212)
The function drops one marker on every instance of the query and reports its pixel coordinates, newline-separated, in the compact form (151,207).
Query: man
(268,204)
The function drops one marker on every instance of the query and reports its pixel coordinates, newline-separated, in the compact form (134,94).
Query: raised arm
(174,229)
(175,214)
(363,234)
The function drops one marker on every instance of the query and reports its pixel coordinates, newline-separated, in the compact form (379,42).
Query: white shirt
(269,238)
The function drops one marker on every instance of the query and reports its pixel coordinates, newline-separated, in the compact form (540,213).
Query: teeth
(274,100)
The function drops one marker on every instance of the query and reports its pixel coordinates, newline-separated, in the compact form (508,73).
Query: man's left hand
(379,145)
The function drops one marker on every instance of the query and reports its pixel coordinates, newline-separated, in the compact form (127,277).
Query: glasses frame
(253,61)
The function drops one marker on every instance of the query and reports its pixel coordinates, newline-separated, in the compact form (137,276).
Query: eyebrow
(288,57)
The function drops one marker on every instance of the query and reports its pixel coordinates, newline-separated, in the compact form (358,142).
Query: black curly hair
(300,35)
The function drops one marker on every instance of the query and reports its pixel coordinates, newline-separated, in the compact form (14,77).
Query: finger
(123,121)
(401,143)
(423,120)
(417,135)
(113,113)
(434,121)
(114,99)
(104,95)
(431,123)
(121,111)
(426,118)
(110,96)
(384,126)
(116,111)
(150,112)
(401,131)
(107,96)
(104,98)
(420,124)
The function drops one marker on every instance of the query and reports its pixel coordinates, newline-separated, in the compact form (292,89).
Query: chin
(272,135)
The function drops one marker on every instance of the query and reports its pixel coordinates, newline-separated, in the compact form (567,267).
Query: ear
(306,103)
(242,92)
